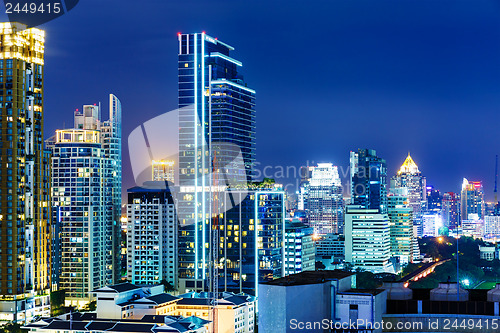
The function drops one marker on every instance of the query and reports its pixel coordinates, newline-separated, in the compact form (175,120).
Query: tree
(168,286)
(11,328)
(57,302)
(90,306)
(319,265)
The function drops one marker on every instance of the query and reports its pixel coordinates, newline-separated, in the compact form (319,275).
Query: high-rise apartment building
(451,210)
(25,220)
(86,201)
(410,177)
(401,226)
(471,199)
(321,198)
(151,235)
(300,250)
(367,239)
(216,145)
(368,180)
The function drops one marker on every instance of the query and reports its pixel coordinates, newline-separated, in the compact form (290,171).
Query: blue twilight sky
(331,76)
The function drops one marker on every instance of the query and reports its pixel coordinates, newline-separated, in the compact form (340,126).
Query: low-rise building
(88,322)
(487,252)
(234,312)
(319,301)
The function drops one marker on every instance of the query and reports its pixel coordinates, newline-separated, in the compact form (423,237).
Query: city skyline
(407,82)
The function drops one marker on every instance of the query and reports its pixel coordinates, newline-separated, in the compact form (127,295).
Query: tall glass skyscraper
(86,200)
(368,180)
(216,127)
(25,221)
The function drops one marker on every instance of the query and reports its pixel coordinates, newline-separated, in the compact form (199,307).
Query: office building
(86,201)
(367,239)
(471,199)
(473,227)
(321,198)
(401,226)
(300,250)
(492,228)
(163,170)
(151,235)
(431,224)
(216,147)
(25,220)
(368,180)
(330,250)
(434,200)
(410,177)
(451,210)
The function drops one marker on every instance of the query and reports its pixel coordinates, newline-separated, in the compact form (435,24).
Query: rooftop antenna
(496,179)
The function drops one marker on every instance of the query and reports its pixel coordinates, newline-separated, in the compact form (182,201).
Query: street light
(466,282)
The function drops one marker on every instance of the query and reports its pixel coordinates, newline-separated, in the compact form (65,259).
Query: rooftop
(310,277)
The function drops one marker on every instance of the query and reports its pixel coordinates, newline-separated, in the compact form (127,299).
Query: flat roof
(310,277)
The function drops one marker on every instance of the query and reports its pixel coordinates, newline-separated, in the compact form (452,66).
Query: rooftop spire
(409,166)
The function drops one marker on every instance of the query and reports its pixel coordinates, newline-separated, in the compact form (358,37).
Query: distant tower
(322,199)
(163,170)
(471,199)
(410,177)
(368,180)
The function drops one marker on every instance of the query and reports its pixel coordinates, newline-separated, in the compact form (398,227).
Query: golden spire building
(25,223)
(410,177)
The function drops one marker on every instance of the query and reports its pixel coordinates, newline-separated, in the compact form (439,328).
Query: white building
(487,252)
(431,224)
(321,198)
(492,227)
(367,239)
(234,312)
(317,301)
(151,235)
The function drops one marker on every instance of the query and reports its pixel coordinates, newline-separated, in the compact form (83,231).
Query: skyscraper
(86,184)
(300,251)
(471,199)
(151,235)
(410,177)
(368,180)
(401,226)
(451,210)
(321,198)
(216,128)
(25,221)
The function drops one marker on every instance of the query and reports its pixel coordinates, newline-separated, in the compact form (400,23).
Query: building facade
(368,180)
(321,198)
(401,227)
(451,210)
(216,146)
(410,177)
(471,199)
(85,203)
(152,235)
(367,239)
(25,219)
(163,170)
(300,250)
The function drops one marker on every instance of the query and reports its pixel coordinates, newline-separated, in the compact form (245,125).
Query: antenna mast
(496,179)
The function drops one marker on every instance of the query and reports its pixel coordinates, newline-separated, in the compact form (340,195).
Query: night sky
(331,76)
